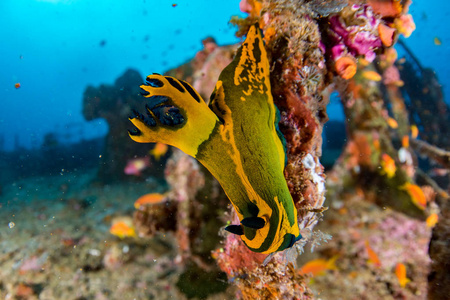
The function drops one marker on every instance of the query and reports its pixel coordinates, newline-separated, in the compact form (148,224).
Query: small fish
(373,257)
(400,272)
(416,194)
(148,199)
(388,165)
(371,75)
(136,166)
(319,266)
(122,227)
(392,123)
(432,220)
(399,83)
(376,144)
(405,141)
(437,41)
(174,5)
(159,150)
(17,85)
(414,131)
(363,62)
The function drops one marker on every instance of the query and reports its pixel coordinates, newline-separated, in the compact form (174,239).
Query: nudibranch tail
(235,138)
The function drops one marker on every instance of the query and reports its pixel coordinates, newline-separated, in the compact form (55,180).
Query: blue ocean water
(55,48)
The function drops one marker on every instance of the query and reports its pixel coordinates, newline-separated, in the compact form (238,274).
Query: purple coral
(355,31)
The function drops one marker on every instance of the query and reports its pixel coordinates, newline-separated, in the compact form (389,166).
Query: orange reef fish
(388,165)
(373,257)
(136,166)
(159,150)
(400,272)
(122,227)
(148,199)
(318,267)
(405,141)
(376,144)
(17,85)
(416,194)
(414,131)
(437,41)
(432,220)
(392,123)
(371,75)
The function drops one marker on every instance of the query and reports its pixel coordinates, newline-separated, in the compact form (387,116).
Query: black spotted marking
(157,100)
(175,84)
(176,115)
(137,115)
(168,115)
(190,90)
(148,120)
(235,229)
(256,50)
(144,92)
(216,109)
(253,222)
(153,82)
(212,97)
(135,132)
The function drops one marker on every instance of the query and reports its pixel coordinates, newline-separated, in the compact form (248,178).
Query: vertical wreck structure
(300,91)
(315,48)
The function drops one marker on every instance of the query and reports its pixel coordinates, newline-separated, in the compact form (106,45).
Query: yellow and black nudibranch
(235,138)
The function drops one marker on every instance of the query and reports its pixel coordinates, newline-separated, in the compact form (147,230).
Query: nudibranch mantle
(235,138)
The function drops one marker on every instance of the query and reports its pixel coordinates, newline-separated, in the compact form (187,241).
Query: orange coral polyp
(386,34)
(389,8)
(346,67)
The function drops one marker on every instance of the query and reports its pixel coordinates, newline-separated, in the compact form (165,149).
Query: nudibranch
(235,137)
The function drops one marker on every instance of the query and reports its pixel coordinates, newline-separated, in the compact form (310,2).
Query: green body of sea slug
(235,138)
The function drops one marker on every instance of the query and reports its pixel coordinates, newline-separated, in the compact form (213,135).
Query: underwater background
(87,213)
(55,48)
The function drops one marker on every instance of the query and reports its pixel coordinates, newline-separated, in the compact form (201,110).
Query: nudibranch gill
(235,137)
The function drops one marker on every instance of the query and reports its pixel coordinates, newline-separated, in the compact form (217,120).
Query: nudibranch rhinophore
(235,138)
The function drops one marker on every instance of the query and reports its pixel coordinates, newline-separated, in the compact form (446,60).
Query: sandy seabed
(55,243)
